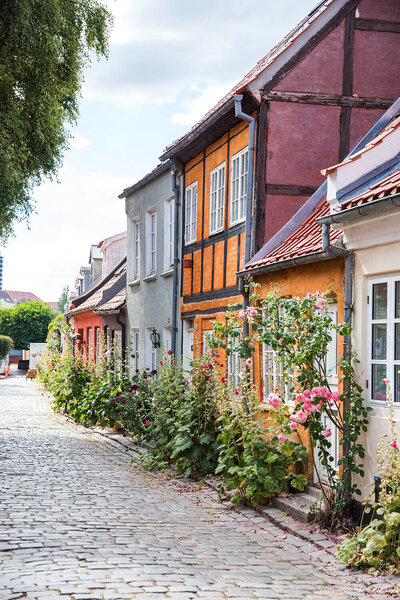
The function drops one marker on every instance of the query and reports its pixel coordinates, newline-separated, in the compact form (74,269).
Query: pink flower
(170,352)
(293,425)
(385,382)
(326,432)
(249,362)
(212,350)
(186,383)
(280,342)
(241,314)
(147,422)
(161,362)
(281,437)
(335,396)
(300,397)
(394,444)
(299,417)
(307,393)
(320,303)
(235,392)
(274,400)
(251,311)
(223,379)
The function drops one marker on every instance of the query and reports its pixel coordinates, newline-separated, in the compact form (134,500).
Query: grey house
(152,268)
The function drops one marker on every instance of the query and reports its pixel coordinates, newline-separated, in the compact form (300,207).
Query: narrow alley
(79,521)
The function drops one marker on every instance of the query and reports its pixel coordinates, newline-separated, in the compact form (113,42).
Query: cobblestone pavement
(79,521)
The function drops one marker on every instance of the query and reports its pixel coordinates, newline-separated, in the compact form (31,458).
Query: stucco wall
(379,256)
(149,299)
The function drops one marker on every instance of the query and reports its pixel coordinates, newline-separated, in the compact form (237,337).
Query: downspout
(249,200)
(175,190)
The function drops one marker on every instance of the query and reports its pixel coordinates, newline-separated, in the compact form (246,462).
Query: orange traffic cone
(6,370)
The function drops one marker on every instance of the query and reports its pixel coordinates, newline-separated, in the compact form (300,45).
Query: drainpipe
(175,189)
(249,202)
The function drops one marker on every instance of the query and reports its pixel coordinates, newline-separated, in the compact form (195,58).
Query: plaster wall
(376,256)
(149,298)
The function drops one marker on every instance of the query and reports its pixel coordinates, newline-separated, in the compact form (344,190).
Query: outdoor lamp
(155,338)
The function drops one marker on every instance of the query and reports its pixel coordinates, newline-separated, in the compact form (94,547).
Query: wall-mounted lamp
(155,338)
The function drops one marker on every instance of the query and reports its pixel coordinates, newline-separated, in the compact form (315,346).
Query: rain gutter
(175,275)
(373,207)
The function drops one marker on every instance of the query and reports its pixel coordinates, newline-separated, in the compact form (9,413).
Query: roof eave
(160,170)
(374,207)
(314,257)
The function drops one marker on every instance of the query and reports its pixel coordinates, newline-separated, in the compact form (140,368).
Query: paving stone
(78,521)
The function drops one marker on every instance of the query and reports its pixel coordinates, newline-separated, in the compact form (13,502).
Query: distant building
(9,298)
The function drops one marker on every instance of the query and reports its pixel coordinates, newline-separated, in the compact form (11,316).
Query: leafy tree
(44,47)
(63,298)
(26,323)
(6,344)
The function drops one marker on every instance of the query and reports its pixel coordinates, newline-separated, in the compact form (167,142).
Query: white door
(188,340)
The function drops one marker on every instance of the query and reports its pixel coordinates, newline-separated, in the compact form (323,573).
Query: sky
(169,62)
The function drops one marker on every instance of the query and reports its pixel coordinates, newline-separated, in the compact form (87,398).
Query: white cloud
(79,142)
(198,106)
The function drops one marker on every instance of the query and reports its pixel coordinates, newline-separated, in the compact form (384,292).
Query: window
(190,213)
(217,196)
(384,337)
(274,378)
(239,186)
(168,234)
(235,366)
(151,352)
(90,345)
(206,341)
(97,334)
(135,348)
(167,337)
(136,250)
(151,242)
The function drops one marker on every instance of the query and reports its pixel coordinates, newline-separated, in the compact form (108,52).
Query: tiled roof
(386,187)
(262,64)
(158,170)
(306,239)
(96,298)
(115,303)
(394,124)
(18,296)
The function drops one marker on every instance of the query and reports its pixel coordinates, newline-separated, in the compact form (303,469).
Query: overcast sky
(170,61)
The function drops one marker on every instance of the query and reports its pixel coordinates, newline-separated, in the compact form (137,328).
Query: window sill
(233,223)
(216,231)
(151,277)
(167,273)
(134,283)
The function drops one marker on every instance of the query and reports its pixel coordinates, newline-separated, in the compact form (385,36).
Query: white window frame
(235,365)
(151,242)
(168,234)
(97,342)
(151,352)
(90,345)
(167,337)
(217,198)
(391,363)
(190,213)
(206,345)
(239,186)
(135,340)
(135,249)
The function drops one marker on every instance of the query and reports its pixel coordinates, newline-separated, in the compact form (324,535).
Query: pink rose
(274,400)
(394,444)
(307,393)
(300,397)
(326,432)
(249,362)
(336,396)
(293,425)
(385,381)
(281,437)
(242,314)
(251,312)
(147,422)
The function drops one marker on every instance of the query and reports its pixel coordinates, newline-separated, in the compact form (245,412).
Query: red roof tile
(18,296)
(306,239)
(386,187)
(262,64)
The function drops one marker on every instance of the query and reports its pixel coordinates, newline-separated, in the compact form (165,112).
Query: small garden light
(155,338)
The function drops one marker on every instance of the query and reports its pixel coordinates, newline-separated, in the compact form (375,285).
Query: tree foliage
(26,323)
(63,298)
(44,47)
(6,344)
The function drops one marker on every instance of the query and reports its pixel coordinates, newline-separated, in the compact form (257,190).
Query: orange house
(313,97)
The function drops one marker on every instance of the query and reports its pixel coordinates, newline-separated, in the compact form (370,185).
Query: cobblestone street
(79,521)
